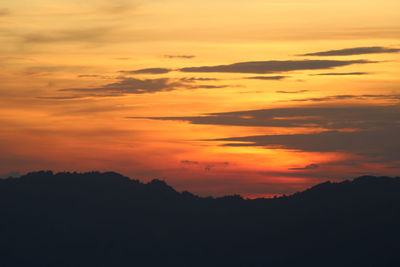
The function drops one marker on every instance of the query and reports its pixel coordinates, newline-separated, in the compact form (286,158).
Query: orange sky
(216,97)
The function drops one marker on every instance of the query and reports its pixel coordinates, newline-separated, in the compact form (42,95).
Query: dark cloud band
(263,67)
(355,51)
(147,71)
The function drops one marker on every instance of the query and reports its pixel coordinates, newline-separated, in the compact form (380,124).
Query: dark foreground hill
(105,219)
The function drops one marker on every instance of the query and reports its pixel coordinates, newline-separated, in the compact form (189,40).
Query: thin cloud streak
(4,12)
(340,74)
(179,56)
(355,51)
(329,117)
(147,71)
(380,145)
(275,66)
(127,85)
(395,97)
(276,78)
(292,92)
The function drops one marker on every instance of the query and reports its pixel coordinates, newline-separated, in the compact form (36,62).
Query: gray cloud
(132,86)
(60,97)
(96,35)
(346,97)
(4,12)
(211,165)
(189,162)
(267,77)
(382,144)
(147,71)
(34,70)
(192,79)
(340,74)
(93,76)
(371,131)
(122,58)
(292,92)
(330,117)
(355,51)
(127,85)
(208,86)
(118,8)
(252,92)
(308,167)
(263,67)
(208,166)
(180,56)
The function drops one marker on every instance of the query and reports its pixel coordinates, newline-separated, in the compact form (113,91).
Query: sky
(258,97)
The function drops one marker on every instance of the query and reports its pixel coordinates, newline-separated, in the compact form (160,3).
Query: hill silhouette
(106,219)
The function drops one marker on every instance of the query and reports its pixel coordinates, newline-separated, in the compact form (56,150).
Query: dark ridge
(106,219)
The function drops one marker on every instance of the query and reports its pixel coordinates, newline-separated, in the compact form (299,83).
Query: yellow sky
(70,100)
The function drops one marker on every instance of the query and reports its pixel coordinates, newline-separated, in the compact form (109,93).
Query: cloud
(122,58)
(147,71)
(180,56)
(127,85)
(210,166)
(340,74)
(132,86)
(35,70)
(93,76)
(60,97)
(308,167)
(96,35)
(371,131)
(353,97)
(330,117)
(355,51)
(209,86)
(381,143)
(292,92)
(263,67)
(118,7)
(267,77)
(189,162)
(252,92)
(4,12)
(192,79)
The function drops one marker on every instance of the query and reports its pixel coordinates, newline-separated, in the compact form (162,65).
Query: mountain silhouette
(106,219)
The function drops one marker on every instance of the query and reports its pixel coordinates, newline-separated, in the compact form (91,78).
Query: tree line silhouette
(106,219)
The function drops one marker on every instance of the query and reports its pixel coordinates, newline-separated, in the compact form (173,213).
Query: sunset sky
(257,97)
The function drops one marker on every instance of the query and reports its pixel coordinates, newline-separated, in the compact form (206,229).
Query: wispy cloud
(267,77)
(355,51)
(308,167)
(4,12)
(180,56)
(126,85)
(368,130)
(340,74)
(274,66)
(330,117)
(350,97)
(147,71)
(191,79)
(292,92)
(132,86)
(385,144)
(89,35)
